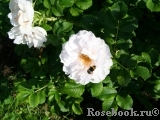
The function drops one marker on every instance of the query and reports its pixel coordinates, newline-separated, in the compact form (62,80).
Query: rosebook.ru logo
(131,112)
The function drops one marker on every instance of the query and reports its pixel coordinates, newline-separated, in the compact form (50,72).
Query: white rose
(18,33)
(32,36)
(37,37)
(86,58)
(22,13)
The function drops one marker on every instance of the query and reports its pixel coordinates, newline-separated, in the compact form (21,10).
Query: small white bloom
(22,12)
(31,36)
(18,33)
(37,38)
(86,58)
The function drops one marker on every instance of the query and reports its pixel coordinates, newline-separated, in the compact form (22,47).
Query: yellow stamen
(86,61)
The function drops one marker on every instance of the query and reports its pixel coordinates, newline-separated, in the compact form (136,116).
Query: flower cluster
(86,58)
(21,17)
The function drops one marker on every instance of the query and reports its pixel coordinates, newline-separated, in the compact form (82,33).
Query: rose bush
(98,54)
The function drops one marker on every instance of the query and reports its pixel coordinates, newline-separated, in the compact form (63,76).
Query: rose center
(86,61)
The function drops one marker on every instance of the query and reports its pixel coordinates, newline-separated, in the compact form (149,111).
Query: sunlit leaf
(83,4)
(124,100)
(96,89)
(73,89)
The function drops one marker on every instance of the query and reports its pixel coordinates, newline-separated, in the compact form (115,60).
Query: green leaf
(23,62)
(109,40)
(61,104)
(52,2)
(142,72)
(19,81)
(77,109)
(114,105)
(52,109)
(109,33)
(31,117)
(75,11)
(153,6)
(57,10)
(73,89)
(42,96)
(156,82)
(22,96)
(18,49)
(47,27)
(66,3)
(29,67)
(96,89)
(146,57)
(157,88)
(47,4)
(119,10)
(44,58)
(154,54)
(78,100)
(110,20)
(33,100)
(124,44)
(107,103)
(123,78)
(53,39)
(89,22)
(124,100)
(57,96)
(107,92)
(128,24)
(38,71)
(84,4)
(51,97)
(126,35)
(23,88)
(131,63)
(62,26)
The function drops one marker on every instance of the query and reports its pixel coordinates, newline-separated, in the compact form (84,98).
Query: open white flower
(22,12)
(36,37)
(18,33)
(21,17)
(86,58)
(31,36)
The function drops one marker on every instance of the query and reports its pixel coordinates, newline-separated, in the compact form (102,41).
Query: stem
(41,88)
(122,66)
(51,19)
(117,31)
(65,116)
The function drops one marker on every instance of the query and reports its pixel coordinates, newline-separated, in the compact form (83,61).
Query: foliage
(131,29)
